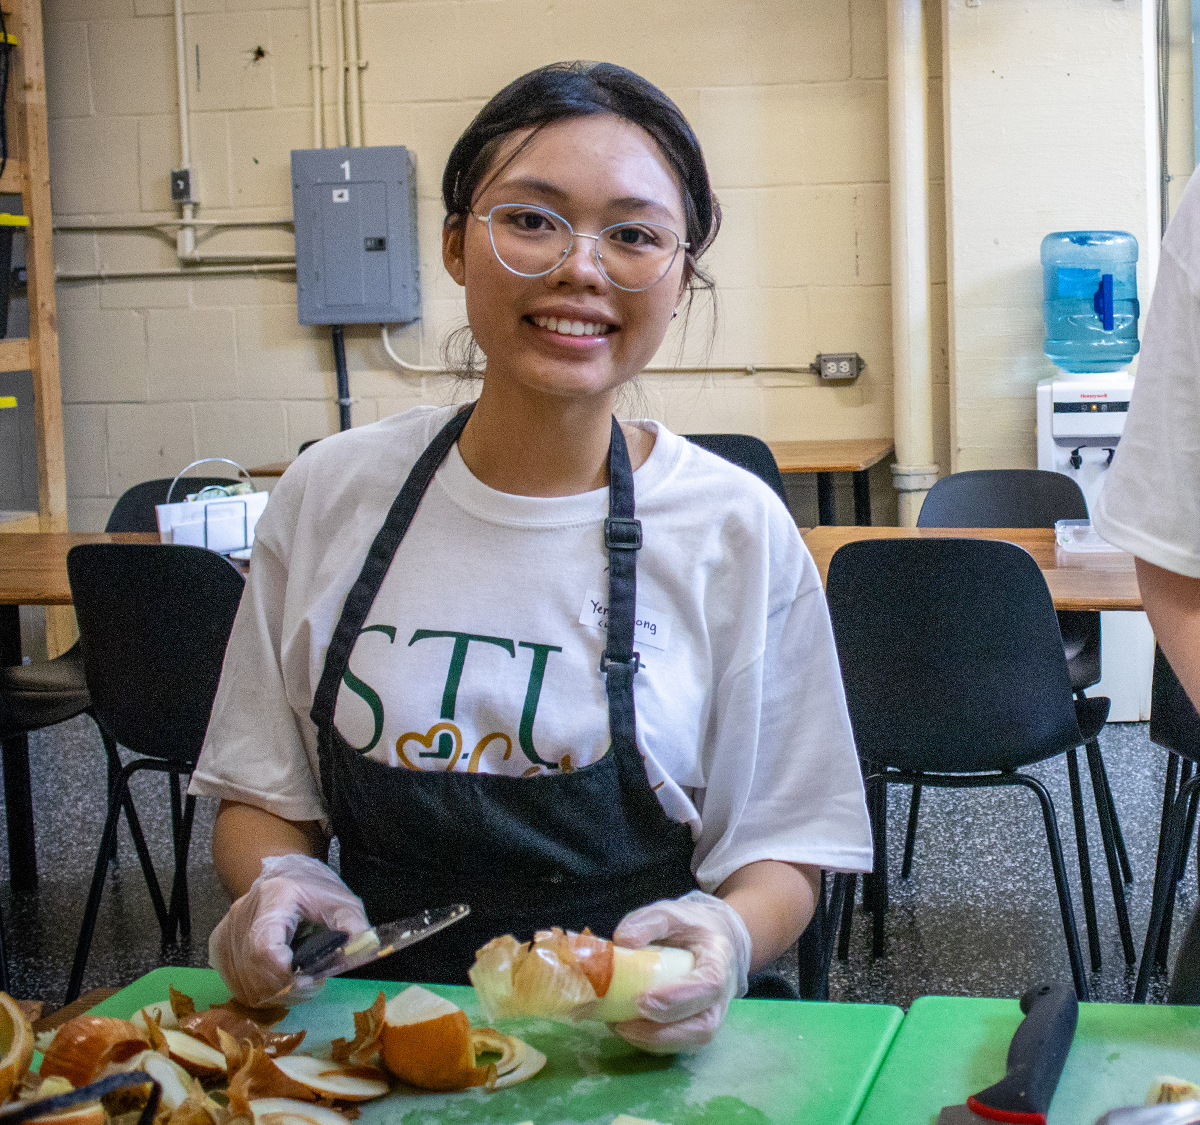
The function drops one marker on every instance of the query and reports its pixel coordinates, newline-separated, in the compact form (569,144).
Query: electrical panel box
(355,211)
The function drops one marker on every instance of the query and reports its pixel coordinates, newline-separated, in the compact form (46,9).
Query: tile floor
(978,916)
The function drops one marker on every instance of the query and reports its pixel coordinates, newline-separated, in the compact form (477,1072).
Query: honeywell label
(650,627)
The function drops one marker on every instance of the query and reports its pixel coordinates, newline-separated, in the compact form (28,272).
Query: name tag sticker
(650,627)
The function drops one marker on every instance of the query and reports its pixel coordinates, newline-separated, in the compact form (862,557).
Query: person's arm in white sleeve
(1172,602)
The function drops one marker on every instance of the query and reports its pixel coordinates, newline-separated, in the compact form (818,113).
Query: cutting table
(772,1063)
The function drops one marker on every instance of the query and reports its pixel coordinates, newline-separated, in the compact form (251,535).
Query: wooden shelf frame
(28,171)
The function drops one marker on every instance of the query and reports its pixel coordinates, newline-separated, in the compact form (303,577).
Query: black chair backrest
(134,510)
(1002,498)
(154,621)
(950,654)
(1174,723)
(305,444)
(751,453)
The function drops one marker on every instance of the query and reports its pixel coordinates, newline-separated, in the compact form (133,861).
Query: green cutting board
(772,1061)
(952,1046)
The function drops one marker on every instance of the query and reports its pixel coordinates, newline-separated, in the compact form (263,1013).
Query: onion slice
(16,1045)
(286,1111)
(334,1080)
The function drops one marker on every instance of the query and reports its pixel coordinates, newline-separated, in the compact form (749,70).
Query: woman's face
(593,171)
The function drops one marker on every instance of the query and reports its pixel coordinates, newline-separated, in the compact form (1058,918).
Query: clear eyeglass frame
(566,253)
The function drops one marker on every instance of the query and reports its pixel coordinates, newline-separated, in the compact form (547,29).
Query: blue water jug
(1090,305)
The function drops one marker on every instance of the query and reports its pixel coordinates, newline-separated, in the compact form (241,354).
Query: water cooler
(1091,311)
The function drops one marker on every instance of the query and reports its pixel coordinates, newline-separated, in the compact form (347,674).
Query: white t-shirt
(1150,502)
(482,648)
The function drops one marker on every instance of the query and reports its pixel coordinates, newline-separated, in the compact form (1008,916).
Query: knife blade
(319,952)
(1036,1057)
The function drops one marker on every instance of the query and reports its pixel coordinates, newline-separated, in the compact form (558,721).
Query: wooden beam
(29,84)
(13,180)
(14,355)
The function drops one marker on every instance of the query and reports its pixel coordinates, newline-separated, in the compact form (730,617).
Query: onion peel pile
(568,976)
(221,1066)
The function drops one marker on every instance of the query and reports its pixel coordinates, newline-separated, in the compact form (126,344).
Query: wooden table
(845,455)
(1097,581)
(33,571)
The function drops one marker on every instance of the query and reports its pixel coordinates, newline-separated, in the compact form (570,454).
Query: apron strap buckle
(634,663)
(622,534)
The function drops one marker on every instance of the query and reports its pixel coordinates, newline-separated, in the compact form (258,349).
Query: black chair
(41,694)
(955,677)
(1175,726)
(750,453)
(154,621)
(1036,498)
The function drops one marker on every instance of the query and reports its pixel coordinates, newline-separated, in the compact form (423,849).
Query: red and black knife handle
(1036,1058)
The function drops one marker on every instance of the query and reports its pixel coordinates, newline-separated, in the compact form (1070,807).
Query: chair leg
(843,946)
(179,912)
(143,852)
(1163,953)
(877,807)
(113,759)
(1085,860)
(1170,791)
(811,959)
(4,981)
(83,947)
(910,837)
(1187,835)
(1060,881)
(1096,766)
(1164,880)
(1118,835)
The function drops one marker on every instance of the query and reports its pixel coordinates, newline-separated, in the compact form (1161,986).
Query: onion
(426,1042)
(518,1060)
(334,1080)
(82,1047)
(90,1113)
(285,1111)
(194,1055)
(259,1077)
(16,1045)
(1167,1090)
(159,1012)
(174,1080)
(570,976)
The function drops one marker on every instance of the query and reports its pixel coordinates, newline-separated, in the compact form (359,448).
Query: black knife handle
(312,943)
(1036,1058)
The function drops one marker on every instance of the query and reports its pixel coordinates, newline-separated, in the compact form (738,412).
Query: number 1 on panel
(345,167)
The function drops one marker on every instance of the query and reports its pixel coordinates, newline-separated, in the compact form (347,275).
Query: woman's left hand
(687,1012)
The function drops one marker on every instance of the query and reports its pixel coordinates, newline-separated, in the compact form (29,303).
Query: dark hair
(579,89)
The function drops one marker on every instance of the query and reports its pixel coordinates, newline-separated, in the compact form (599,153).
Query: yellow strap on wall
(7,220)
(8,402)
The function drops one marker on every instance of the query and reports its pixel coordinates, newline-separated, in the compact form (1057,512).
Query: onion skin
(16,1038)
(85,1045)
(570,976)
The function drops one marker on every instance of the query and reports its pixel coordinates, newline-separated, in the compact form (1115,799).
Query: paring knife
(1036,1058)
(319,952)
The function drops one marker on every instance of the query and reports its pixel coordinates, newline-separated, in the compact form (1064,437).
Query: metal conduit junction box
(355,211)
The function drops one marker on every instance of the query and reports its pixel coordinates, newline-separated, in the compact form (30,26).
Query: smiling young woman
(569,671)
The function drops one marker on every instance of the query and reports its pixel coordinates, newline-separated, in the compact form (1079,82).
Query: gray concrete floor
(978,917)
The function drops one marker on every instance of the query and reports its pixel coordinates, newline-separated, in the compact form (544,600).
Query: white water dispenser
(1091,313)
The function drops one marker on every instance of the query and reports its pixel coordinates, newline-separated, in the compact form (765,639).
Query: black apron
(572,849)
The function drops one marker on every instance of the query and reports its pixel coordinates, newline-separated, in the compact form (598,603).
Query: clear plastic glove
(687,1012)
(249,947)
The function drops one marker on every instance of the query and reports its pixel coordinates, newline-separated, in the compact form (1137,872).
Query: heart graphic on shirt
(427,739)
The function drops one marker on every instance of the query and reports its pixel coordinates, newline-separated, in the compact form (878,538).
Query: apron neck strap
(623,539)
(379,559)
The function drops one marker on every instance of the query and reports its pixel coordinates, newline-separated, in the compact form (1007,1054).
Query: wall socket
(839,367)
(181,186)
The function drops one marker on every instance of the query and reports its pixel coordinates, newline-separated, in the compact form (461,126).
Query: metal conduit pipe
(316,70)
(915,471)
(338,18)
(185,240)
(354,73)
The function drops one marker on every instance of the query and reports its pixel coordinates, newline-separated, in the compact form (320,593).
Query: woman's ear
(452,248)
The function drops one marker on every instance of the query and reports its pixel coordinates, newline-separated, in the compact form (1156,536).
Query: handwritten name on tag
(650,627)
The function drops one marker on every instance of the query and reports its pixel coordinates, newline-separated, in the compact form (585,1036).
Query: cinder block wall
(789,98)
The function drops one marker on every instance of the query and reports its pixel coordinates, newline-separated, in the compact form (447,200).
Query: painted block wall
(1049,126)
(788,97)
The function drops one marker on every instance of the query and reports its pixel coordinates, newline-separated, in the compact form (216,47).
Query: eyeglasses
(532,242)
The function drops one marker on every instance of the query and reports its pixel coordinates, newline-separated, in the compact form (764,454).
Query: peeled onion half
(426,1042)
(335,1080)
(564,975)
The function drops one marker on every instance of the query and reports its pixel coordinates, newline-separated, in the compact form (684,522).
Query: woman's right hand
(249,946)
